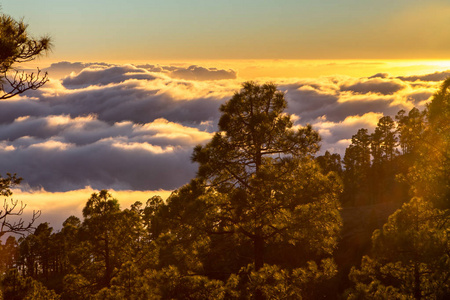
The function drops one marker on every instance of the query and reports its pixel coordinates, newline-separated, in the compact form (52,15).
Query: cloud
(379,75)
(374,85)
(306,101)
(64,68)
(437,76)
(326,97)
(109,163)
(128,127)
(339,112)
(200,73)
(138,100)
(104,76)
(333,132)
(193,72)
(64,153)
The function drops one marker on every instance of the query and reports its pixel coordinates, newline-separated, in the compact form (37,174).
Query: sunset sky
(135,85)
(137,30)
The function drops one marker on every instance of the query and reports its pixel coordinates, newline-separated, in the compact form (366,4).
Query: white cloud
(63,153)
(134,127)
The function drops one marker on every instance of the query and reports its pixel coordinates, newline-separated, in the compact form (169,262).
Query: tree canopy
(17,46)
(410,257)
(263,184)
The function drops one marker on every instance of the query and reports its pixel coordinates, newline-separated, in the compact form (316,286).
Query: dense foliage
(262,219)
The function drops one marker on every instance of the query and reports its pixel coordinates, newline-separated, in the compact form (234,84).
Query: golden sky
(112,30)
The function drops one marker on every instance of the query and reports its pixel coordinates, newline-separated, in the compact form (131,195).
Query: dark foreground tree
(16,46)
(17,287)
(101,217)
(431,172)
(410,257)
(263,184)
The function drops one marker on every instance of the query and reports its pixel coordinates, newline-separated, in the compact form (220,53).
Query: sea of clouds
(127,127)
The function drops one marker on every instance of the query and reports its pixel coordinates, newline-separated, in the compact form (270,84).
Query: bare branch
(12,208)
(22,82)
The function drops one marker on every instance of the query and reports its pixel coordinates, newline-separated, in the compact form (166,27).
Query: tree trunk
(417,290)
(259,260)
(107,262)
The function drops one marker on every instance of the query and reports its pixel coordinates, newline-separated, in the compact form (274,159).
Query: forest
(268,216)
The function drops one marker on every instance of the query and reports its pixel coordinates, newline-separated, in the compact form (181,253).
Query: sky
(136,85)
(137,30)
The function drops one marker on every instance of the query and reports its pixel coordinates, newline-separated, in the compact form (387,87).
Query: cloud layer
(133,127)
